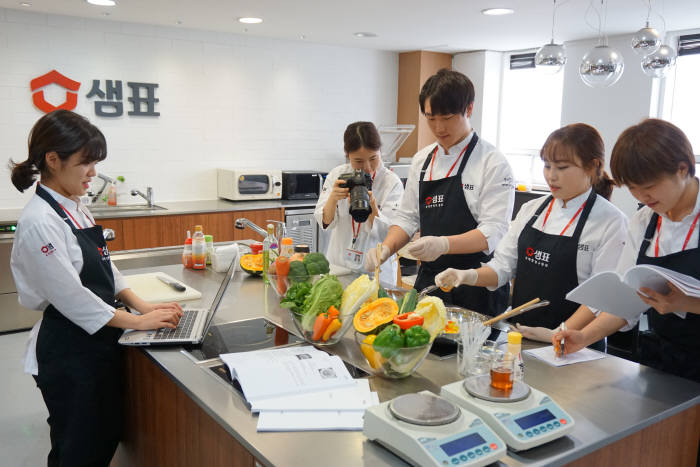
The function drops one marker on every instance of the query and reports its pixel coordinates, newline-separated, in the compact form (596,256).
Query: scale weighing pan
(524,417)
(427,430)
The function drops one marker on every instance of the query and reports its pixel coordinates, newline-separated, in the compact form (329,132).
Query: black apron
(443,212)
(547,269)
(80,375)
(672,344)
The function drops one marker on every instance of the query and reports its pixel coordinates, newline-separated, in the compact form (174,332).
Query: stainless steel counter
(609,398)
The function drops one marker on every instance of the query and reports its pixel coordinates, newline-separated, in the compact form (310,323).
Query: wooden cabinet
(158,231)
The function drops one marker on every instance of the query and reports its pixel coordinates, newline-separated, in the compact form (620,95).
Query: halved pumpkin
(252,264)
(375,314)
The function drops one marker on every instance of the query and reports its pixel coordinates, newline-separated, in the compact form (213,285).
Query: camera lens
(360,207)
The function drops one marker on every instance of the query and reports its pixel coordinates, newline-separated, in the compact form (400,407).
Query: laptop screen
(220,294)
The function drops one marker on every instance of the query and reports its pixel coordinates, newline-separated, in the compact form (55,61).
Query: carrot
(320,325)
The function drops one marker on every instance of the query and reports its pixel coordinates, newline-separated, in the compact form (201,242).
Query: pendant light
(658,63)
(602,66)
(551,57)
(647,40)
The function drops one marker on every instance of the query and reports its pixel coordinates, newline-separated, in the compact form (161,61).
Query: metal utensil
(531,305)
(426,291)
(174,285)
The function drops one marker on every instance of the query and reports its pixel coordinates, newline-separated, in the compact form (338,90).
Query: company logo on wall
(143,96)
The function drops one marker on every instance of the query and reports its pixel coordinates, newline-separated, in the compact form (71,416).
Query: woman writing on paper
(61,265)
(655,160)
(351,239)
(557,241)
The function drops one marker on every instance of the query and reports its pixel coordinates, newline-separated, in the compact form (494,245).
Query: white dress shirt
(387,190)
(600,244)
(673,235)
(46,262)
(487,182)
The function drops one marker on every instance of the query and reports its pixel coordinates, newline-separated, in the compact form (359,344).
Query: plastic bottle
(187,251)
(269,245)
(209,239)
(199,248)
(112,195)
(514,342)
(287,248)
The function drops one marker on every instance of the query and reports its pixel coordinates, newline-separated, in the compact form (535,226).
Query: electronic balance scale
(524,417)
(427,430)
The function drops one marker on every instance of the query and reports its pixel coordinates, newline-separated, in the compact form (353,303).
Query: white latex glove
(429,248)
(453,277)
(371,258)
(534,333)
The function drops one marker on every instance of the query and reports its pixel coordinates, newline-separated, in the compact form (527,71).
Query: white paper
(292,370)
(606,292)
(310,421)
(546,354)
(355,397)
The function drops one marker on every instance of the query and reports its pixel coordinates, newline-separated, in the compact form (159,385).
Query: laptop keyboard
(183,329)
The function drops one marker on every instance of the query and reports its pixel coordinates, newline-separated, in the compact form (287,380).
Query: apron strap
(648,235)
(468,152)
(539,211)
(584,215)
(431,154)
(43,194)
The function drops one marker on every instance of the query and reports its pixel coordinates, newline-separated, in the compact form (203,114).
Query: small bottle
(199,249)
(112,195)
(269,246)
(514,343)
(209,240)
(302,248)
(187,253)
(287,248)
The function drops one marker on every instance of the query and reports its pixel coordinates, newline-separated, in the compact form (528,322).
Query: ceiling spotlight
(102,2)
(250,20)
(25,4)
(497,11)
(178,22)
(364,34)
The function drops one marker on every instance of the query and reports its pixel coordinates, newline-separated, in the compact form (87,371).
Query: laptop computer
(193,325)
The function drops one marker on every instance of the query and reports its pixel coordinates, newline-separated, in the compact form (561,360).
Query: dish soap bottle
(112,195)
(199,248)
(514,346)
(269,246)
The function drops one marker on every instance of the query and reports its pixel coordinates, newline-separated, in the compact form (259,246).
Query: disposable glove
(534,333)
(454,277)
(429,248)
(371,258)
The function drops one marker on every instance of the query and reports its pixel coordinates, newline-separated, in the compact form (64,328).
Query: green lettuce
(326,292)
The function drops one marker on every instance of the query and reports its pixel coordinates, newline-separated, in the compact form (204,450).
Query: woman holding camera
(352,235)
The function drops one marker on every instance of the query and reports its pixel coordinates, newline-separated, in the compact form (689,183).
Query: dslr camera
(360,183)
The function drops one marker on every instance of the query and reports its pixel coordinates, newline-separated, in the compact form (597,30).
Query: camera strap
(355,233)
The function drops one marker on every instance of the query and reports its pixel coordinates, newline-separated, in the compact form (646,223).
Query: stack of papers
(300,388)
(546,354)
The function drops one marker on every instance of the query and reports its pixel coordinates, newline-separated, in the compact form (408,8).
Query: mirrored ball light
(601,67)
(658,63)
(646,41)
(551,58)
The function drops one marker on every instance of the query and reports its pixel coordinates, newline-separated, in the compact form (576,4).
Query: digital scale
(524,417)
(427,430)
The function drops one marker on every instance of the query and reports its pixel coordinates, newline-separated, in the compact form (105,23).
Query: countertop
(179,207)
(608,398)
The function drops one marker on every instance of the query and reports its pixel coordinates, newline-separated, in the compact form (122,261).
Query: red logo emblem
(428,200)
(51,77)
(530,251)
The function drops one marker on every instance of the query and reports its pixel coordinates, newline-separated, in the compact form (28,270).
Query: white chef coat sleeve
(408,215)
(390,204)
(119,280)
(495,200)
(323,198)
(54,277)
(505,257)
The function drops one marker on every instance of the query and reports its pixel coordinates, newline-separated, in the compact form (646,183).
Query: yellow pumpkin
(252,264)
(375,314)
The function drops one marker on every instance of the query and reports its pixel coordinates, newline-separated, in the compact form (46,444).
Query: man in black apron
(80,375)
(672,343)
(452,216)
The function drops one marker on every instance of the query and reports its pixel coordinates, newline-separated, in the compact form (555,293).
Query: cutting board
(149,288)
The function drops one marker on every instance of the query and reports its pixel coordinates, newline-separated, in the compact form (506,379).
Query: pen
(562,343)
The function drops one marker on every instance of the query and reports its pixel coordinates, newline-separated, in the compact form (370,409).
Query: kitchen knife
(175,285)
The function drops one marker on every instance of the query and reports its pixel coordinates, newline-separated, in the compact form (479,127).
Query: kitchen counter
(182,207)
(609,399)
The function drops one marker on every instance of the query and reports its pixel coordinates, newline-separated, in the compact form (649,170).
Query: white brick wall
(226,100)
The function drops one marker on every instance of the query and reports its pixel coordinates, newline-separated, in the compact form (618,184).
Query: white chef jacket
(673,236)
(387,190)
(600,244)
(487,181)
(46,262)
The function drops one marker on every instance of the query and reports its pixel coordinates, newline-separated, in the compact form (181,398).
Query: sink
(124,209)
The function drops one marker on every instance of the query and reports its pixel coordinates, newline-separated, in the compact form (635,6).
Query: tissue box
(223,255)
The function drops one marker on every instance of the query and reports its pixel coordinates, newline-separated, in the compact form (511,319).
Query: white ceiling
(401,25)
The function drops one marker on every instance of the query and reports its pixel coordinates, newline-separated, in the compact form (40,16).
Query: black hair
(63,132)
(450,92)
(361,135)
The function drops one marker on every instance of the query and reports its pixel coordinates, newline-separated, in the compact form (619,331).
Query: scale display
(524,418)
(427,430)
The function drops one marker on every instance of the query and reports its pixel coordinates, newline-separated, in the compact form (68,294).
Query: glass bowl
(455,316)
(401,363)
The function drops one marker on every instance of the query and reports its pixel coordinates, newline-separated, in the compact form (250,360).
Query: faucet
(280,227)
(105,180)
(148,196)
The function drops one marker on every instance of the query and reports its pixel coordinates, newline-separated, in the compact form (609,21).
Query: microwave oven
(245,184)
(302,185)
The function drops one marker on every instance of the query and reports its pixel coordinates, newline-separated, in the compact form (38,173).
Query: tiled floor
(24,433)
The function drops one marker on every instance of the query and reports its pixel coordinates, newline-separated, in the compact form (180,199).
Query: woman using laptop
(61,265)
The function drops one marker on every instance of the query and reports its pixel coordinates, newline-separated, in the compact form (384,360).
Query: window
(530,110)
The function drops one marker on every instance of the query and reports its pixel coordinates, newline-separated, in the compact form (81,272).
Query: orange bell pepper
(282,264)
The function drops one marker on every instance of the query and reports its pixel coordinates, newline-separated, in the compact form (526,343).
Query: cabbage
(326,292)
(434,314)
(357,293)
